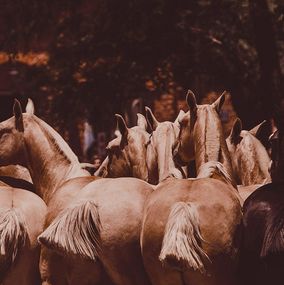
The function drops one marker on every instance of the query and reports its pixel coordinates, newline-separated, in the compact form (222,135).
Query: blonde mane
(207,134)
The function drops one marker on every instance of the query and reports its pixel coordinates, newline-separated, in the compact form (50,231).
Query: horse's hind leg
(25,271)
(52,268)
(86,272)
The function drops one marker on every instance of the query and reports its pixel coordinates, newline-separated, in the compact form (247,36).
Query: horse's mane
(207,133)
(56,141)
(212,168)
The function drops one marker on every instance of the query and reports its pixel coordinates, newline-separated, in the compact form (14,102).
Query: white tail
(75,231)
(13,234)
(181,244)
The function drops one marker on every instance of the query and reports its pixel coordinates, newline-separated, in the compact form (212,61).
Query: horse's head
(127,152)
(249,157)
(191,126)
(12,146)
(159,150)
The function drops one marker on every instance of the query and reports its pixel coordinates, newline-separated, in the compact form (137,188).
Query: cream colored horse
(160,163)
(127,152)
(22,215)
(98,220)
(250,159)
(190,226)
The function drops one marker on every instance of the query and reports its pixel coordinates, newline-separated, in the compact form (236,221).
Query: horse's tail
(13,234)
(181,246)
(273,242)
(75,231)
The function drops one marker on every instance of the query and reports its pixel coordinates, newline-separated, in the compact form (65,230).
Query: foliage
(103,53)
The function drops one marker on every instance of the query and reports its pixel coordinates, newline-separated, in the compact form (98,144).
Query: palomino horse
(134,154)
(160,161)
(127,152)
(96,219)
(22,215)
(262,250)
(189,227)
(250,159)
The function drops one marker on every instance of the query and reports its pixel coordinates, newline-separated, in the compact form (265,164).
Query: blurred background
(83,61)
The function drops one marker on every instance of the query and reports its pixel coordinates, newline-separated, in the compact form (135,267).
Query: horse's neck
(49,165)
(166,165)
(255,162)
(210,145)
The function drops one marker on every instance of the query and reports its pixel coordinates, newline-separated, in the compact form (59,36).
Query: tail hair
(181,244)
(75,231)
(273,242)
(13,234)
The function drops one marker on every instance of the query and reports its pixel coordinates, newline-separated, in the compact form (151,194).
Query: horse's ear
(102,170)
(236,131)
(152,121)
(115,143)
(179,117)
(121,125)
(141,121)
(191,101)
(256,131)
(219,102)
(30,108)
(17,110)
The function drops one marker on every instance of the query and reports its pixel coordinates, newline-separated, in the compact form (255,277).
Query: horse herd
(140,220)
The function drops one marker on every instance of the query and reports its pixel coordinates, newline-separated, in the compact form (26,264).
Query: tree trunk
(269,88)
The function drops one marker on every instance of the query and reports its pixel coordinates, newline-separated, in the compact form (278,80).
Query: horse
(182,241)
(262,249)
(92,224)
(19,226)
(159,158)
(250,159)
(127,152)
(133,153)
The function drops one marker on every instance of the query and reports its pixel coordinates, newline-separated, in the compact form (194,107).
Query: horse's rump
(75,231)
(273,242)
(13,233)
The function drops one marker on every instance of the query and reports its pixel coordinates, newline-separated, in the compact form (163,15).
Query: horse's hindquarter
(120,205)
(219,214)
(29,206)
(27,213)
(262,251)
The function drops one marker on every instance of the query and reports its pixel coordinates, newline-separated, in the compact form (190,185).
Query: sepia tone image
(141,142)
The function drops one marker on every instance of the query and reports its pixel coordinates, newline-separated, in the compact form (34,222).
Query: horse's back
(262,239)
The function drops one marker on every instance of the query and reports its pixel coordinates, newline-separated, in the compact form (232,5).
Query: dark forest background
(90,59)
